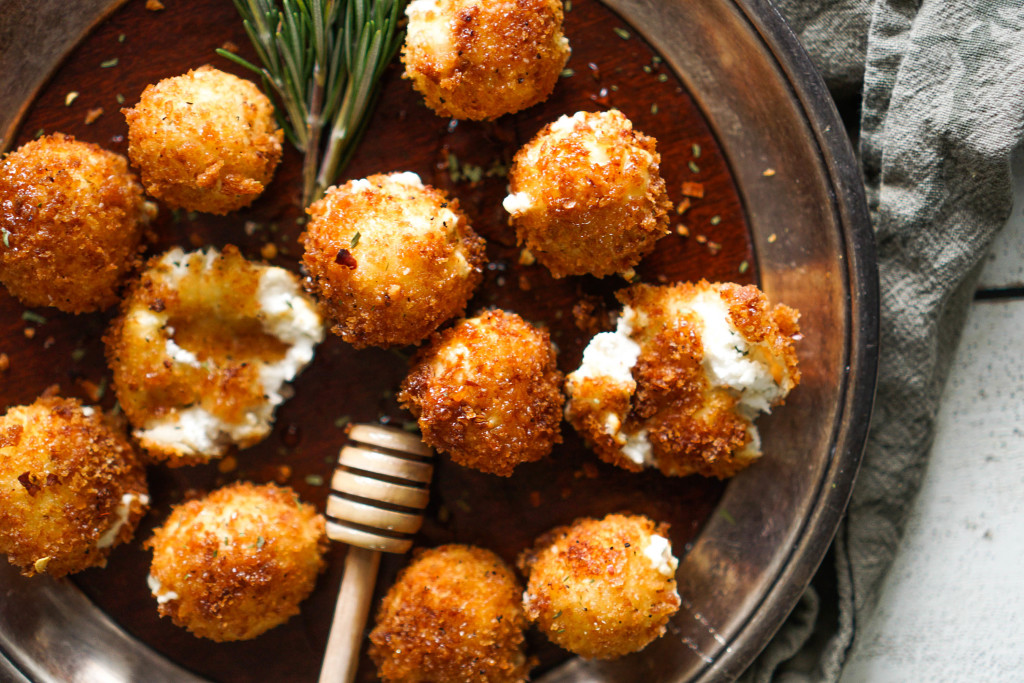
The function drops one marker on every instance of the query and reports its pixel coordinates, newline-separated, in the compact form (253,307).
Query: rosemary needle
(321,61)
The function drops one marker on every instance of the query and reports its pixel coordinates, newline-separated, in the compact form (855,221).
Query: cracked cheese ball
(203,351)
(453,614)
(238,562)
(488,392)
(678,384)
(390,259)
(587,196)
(71,218)
(71,487)
(204,141)
(479,59)
(602,588)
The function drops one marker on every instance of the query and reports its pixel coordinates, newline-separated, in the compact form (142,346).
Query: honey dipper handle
(350,612)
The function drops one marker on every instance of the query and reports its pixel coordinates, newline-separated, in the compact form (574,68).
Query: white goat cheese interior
(121,513)
(659,552)
(157,589)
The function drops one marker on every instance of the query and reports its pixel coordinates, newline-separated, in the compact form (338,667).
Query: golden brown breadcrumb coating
(204,141)
(191,348)
(693,422)
(453,614)
(596,589)
(71,487)
(390,259)
(488,392)
(479,59)
(587,196)
(71,218)
(238,562)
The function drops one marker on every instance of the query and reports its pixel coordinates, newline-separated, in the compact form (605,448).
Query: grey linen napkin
(941,88)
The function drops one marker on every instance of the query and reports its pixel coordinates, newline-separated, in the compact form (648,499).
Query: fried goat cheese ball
(587,196)
(238,562)
(602,588)
(71,487)
(71,219)
(204,348)
(480,59)
(453,614)
(488,392)
(390,259)
(678,384)
(204,141)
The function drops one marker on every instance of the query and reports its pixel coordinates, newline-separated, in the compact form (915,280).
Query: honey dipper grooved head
(379,489)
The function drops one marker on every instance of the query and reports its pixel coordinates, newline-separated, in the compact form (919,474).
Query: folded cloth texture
(941,86)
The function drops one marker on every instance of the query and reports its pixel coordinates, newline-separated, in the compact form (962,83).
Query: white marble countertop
(952,607)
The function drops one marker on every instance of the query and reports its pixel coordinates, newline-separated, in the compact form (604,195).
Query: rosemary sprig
(322,62)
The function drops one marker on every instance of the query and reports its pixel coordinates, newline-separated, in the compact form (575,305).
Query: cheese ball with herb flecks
(204,349)
(488,392)
(71,219)
(602,588)
(587,195)
(71,487)
(453,614)
(204,141)
(238,562)
(677,386)
(480,59)
(390,259)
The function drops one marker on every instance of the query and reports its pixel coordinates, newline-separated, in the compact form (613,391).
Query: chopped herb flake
(567,72)
(716,219)
(355,240)
(7,237)
(647,69)
(568,5)
(70,97)
(744,267)
(77,355)
(654,108)
(696,150)
(33,317)
(314,480)
(693,167)
(622,33)
(662,78)
(342,421)
(724,514)
(109,63)
(260,541)
(120,38)
(120,98)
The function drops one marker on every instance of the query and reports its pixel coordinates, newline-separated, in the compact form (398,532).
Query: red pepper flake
(682,230)
(772,238)
(693,189)
(768,172)
(683,206)
(714,248)
(29,332)
(92,115)
(595,70)
(28,481)
(154,5)
(345,259)
(701,239)
(228,46)
(5,362)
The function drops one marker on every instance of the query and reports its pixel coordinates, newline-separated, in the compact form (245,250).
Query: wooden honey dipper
(371,511)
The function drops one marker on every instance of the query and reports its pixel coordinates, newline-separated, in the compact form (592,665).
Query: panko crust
(72,217)
(476,59)
(238,562)
(204,141)
(389,260)
(488,392)
(693,426)
(592,589)
(215,314)
(598,201)
(64,472)
(453,614)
